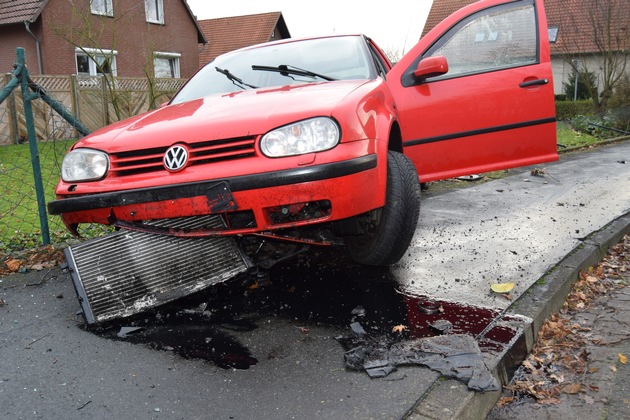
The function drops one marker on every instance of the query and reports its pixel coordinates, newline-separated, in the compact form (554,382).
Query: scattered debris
(539,172)
(442,326)
(469,178)
(456,355)
(27,347)
(126,331)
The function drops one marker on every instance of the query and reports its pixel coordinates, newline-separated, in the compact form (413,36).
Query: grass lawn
(19,219)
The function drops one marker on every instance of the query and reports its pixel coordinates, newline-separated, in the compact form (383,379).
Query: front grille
(126,272)
(150,160)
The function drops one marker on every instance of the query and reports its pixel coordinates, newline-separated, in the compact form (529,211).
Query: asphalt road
(514,229)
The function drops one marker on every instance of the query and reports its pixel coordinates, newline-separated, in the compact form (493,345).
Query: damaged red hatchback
(298,137)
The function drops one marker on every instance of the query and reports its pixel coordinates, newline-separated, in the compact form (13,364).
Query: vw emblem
(175,158)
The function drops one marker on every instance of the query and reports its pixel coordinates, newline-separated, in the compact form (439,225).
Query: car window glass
(342,58)
(496,38)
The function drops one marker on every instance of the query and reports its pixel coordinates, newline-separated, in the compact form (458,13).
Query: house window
(553,34)
(154,10)
(166,65)
(102,7)
(95,62)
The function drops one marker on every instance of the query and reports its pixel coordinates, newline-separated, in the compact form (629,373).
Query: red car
(297,138)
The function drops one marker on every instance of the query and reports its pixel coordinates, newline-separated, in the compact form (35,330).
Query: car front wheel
(388,231)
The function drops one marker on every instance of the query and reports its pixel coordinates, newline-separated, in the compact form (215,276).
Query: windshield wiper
(286,70)
(238,82)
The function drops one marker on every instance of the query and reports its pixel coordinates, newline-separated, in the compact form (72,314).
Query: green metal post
(76,124)
(4,94)
(32,143)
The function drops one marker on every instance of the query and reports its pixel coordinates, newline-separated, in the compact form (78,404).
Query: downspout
(37,47)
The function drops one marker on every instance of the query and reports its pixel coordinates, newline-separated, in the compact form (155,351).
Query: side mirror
(431,67)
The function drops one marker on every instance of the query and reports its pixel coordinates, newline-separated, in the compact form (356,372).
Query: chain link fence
(20,227)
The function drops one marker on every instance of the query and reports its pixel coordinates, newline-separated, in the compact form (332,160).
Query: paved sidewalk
(598,384)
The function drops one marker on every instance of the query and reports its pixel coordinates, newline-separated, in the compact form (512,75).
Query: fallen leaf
(572,388)
(502,287)
(399,328)
(623,359)
(549,401)
(13,264)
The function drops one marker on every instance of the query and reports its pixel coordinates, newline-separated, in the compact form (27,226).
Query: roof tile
(17,11)
(231,33)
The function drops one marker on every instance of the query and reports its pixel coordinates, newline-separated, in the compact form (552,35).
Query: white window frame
(96,52)
(176,57)
(159,8)
(102,7)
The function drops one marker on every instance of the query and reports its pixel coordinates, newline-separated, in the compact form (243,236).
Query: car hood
(230,115)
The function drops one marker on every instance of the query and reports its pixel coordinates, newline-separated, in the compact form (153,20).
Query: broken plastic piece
(455,355)
(469,178)
(441,325)
(357,329)
(125,331)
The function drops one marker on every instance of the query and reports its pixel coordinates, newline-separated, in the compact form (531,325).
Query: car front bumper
(352,187)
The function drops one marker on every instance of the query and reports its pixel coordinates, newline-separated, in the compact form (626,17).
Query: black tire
(389,230)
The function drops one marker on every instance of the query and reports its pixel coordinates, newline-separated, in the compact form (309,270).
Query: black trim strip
(479,132)
(240,183)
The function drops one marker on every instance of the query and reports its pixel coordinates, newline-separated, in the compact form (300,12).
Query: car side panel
(477,122)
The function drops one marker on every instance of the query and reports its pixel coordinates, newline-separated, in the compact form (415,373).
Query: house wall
(13,36)
(127,32)
(562,71)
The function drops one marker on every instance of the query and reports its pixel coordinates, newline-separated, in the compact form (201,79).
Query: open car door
(476,93)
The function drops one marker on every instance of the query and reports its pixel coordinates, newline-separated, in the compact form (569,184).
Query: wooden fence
(88,98)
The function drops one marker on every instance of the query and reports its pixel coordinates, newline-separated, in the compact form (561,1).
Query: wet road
(270,349)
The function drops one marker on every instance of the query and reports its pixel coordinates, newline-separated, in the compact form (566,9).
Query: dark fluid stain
(322,287)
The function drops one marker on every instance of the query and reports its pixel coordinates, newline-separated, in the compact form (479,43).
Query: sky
(395,25)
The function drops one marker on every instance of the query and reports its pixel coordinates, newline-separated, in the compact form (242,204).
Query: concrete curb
(451,399)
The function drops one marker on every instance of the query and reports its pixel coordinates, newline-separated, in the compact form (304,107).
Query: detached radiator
(127,272)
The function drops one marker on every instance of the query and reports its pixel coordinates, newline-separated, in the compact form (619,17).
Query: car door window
(496,38)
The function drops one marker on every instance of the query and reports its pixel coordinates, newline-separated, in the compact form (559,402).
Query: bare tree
(594,37)
(393,55)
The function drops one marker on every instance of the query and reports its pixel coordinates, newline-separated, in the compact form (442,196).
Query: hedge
(566,110)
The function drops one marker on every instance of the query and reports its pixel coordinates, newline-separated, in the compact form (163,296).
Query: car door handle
(534,83)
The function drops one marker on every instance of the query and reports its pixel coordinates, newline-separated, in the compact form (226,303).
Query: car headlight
(84,165)
(308,136)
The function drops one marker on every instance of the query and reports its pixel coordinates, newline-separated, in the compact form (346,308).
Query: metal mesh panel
(128,272)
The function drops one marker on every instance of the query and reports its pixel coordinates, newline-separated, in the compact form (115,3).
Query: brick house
(571,32)
(160,38)
(231,33)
